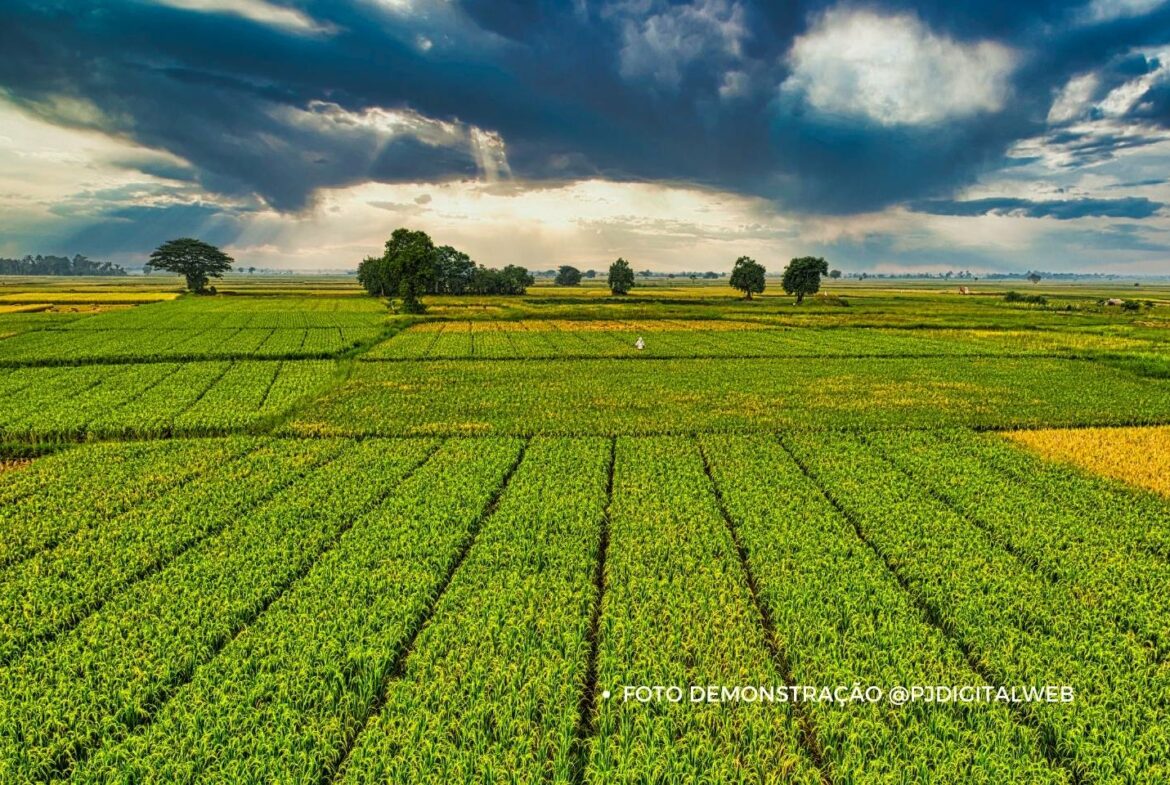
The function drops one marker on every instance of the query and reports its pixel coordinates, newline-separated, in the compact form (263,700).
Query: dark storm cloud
(1060,209)
(644,90)
(128,230)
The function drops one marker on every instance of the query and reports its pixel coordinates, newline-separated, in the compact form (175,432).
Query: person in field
(640,344)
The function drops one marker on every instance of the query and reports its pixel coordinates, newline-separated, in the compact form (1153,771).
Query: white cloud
(1074,98)
(374,128)
(1106,10)
(661,45)
(260,11)
(895,70)
(1087,128)
(736,84)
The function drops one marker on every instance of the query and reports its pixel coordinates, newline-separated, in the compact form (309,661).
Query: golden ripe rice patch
(1138,456)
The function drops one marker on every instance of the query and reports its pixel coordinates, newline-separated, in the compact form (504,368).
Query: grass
(438,551)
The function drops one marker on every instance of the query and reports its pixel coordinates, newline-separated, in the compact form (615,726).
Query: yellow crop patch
(1139,456)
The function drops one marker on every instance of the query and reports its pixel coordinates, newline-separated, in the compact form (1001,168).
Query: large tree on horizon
(748,276)
(803,276)
(193,259)
(404,270)
(621,277)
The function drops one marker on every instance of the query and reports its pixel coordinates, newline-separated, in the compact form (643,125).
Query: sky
(982,135)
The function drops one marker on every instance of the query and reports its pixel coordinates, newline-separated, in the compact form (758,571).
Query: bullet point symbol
(605,694)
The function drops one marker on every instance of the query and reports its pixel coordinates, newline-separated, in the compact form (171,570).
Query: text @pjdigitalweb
(895,695)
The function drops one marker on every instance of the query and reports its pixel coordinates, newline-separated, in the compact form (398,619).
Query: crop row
(282,313)
(1088,546)
(1018,626)
(70,347)
(841,618)
(306,675)
(509,638)
(152,399)
(253,609)
(113,671)
(671,396)
(677,338)
(677,610)
(70,492)
(55,588)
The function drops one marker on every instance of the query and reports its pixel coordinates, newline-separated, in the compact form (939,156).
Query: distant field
(286,535)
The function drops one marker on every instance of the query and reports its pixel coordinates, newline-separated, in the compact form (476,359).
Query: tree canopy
(454,272)
(405,269)
(621,277)
(58,265)
(568,276)
(195,260)
(802,276)
(747,276)
(412,266)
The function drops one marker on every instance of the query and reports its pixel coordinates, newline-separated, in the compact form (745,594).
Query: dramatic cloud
(255,10)
(894,70)
(661,46)
(887,132)
(1060,209)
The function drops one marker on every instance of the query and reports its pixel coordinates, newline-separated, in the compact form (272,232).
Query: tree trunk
(799,297)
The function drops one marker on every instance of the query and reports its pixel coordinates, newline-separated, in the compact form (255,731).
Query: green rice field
(286,535)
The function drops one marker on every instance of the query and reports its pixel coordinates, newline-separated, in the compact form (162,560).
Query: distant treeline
(58,265)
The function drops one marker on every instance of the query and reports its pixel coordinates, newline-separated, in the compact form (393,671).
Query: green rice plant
(55,588)
(153,410)
(1140,520)
(677,610)
(1017,626)
(841,619)
(81,487)
(155,398)
(1090,552)
(668,396)
(492,685)
(114,670)
(307,673)
(70,416)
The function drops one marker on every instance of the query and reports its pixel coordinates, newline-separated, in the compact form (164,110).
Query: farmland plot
(450,558)
(153,399)
(610,397)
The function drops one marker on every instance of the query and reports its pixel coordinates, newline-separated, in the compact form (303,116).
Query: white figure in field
(640,344)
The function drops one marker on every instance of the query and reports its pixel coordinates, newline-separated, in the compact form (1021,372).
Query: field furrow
(54,589)
(117,668)
(677,611)
(306,674)
(1014,625)
(841,619)
(510,636)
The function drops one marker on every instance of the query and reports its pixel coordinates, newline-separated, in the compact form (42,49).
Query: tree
(405,269)
(251,270)
(1034,277)
(453,272)
(568,276)
(512,280)
(834,274)
(193,259)
(621,277)
(802,276)
(591,274)
(747,276)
